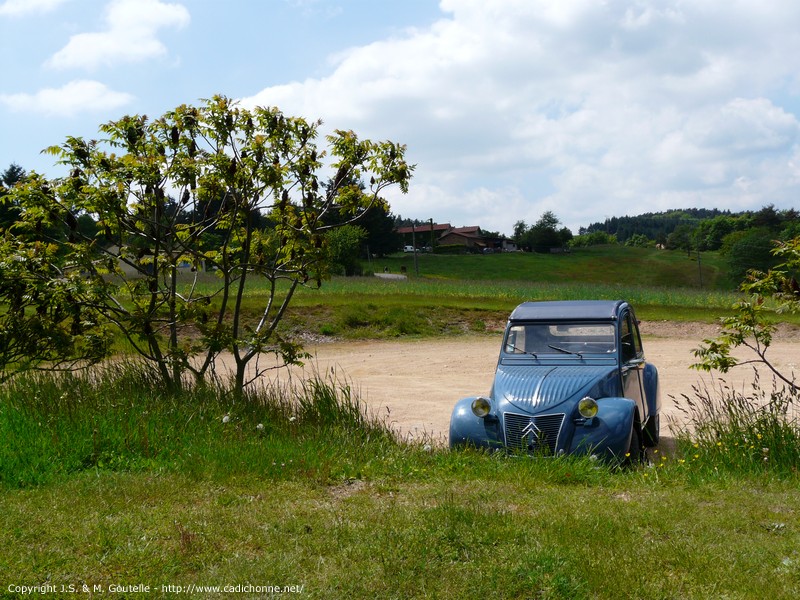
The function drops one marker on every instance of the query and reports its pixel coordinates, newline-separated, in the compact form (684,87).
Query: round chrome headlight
(481,407)
(587,407)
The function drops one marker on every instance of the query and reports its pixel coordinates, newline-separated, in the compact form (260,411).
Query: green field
(111,481)
(642,267)
(475,293)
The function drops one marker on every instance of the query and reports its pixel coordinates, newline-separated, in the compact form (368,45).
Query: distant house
(423,235)
(509,245)
(444,234)
(469,237)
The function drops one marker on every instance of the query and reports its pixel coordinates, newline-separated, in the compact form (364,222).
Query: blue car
(571,378)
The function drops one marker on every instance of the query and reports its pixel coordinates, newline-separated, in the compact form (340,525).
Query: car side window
(629,338)
(637,338)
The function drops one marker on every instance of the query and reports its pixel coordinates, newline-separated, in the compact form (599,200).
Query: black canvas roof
(568,310)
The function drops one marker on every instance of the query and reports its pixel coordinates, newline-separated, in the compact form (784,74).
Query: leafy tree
(710,233)
(791,227)
(344,249)
(638,240)
(382,237)
(565,236)
(48,311)
(749,249)
(656,226)
(751,326)
(231,171)
(548,220)
(543,235)
(768,217)
(682,238)
(520,230)
(595,238)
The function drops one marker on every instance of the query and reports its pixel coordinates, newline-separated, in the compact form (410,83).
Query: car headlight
(587,407)
(481,407)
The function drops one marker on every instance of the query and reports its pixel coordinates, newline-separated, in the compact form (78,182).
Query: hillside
(610,265)
(699,227)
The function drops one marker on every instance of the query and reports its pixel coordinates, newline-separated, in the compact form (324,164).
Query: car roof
(568,310)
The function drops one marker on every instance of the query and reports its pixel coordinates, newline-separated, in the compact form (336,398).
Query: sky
(509,108)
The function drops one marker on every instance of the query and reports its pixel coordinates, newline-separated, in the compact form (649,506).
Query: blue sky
(509,108)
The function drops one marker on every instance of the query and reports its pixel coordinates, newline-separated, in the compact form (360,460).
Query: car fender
(609,432)
(466,429)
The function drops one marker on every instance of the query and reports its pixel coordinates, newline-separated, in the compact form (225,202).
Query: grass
(120,419)
(743,431)
(110,481)
(514,532)
(302,488)
(475,293)
(647,267)
(369,307)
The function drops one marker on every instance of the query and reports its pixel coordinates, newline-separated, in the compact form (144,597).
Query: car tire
(635,454)
(652,434)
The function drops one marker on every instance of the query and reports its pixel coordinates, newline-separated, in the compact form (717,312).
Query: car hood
(532,387)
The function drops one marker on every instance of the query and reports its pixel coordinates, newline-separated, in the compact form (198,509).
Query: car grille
(533,434)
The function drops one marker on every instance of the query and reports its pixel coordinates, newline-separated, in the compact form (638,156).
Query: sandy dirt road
(413,384)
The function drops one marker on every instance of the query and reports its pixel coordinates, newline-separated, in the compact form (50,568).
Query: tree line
(746,239)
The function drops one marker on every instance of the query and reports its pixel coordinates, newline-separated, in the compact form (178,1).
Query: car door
(632,362)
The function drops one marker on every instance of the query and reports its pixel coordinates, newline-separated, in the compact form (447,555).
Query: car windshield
(568,338)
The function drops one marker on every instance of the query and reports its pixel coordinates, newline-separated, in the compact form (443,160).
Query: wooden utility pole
(700,269)
(414,244)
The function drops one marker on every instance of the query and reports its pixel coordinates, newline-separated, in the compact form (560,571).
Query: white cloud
(73,98)
(130,36)
(589,109)
(21,8)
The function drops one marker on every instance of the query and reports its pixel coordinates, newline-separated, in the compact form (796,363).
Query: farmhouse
(443,234)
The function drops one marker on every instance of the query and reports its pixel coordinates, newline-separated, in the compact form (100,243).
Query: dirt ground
(413,384)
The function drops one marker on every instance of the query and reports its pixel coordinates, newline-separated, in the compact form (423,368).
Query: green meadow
(621,265)
(445,295)
(113,487)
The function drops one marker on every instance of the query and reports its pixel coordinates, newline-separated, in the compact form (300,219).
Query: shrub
(639,240)
(595,238)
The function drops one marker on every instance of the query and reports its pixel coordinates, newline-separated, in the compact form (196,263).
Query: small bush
(477,326)
(399,322)
(328,329)
(355,318)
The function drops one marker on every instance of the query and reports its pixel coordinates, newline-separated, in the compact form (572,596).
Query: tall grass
(742,431)
(119,419)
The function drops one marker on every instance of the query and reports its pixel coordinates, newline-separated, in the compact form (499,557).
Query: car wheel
(652,433)
(635,455)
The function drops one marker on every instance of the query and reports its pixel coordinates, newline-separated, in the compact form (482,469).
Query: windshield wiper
(521,351)
(564,350)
